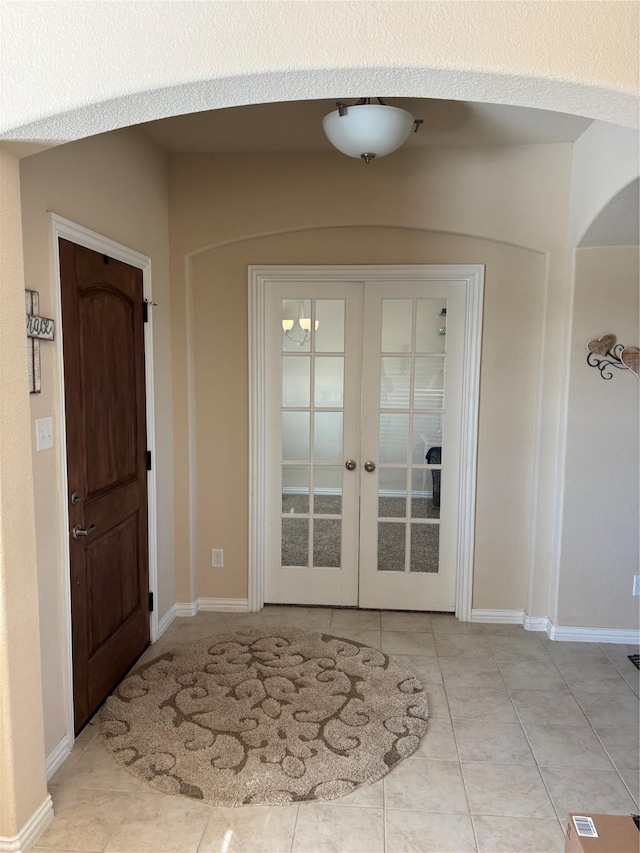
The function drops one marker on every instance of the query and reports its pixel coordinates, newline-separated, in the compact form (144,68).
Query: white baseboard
(58,755)
(536,623)
(562,633)
(189,608)
(224,605)
(166,620)
(571,634)
(31,831)
(504,617)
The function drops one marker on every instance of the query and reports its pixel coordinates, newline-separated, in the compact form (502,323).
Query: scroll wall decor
(606,354)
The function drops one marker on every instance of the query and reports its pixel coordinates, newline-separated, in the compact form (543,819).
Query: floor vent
(635,660)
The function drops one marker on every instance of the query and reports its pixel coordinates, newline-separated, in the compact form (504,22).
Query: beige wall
(600,523)
(329,209)
(115,185)
(22,779)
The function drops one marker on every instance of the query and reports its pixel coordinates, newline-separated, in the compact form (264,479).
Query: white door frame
(68,230)
(472,275)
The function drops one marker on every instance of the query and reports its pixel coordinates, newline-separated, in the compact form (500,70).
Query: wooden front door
(104,377)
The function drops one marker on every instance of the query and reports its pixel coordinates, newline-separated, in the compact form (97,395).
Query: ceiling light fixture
(365,130)
(303,323)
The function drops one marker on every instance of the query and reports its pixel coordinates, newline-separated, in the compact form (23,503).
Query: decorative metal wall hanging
(38,328)
(605,354)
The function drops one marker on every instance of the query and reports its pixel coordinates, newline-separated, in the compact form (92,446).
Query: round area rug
(265,716)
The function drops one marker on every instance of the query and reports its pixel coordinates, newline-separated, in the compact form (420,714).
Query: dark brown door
(102,324)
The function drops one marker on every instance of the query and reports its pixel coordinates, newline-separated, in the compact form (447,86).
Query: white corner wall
(115,185)
(606,159)
(600,547)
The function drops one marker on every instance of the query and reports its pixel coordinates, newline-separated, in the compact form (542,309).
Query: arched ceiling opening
(94,67)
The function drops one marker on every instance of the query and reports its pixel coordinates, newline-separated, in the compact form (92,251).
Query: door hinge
(145,311)
(148,460)
(150,602)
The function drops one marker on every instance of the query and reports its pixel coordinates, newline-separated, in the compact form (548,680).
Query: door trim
(68,230)
(473,277)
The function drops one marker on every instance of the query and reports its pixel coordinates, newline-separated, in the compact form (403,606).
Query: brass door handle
(369,466)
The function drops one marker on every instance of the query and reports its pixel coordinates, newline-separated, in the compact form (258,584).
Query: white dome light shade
(367,130)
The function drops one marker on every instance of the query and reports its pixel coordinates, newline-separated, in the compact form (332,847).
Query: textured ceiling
(297,126)
(70,70)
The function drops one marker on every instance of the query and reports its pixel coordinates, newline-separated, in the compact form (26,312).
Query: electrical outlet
(217,558)
(44,434)
(636,584)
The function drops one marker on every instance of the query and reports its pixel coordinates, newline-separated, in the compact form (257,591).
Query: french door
(363,423)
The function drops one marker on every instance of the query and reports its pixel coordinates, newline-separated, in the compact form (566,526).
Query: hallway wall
(116,185)
(443,206)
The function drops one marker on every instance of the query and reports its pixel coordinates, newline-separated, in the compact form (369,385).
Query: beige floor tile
(250,829)
(633,680)
(462,646)
(155,823)
(323,828)
(518,835)
(532,675)
(631,779)
(434,786)
(408,643)
(619,653)
(361,620)
(97,769)
(437,698)
(480,703)
(518,649)
(425,832)
(311,618)
(427,669)
(622,745)
(365,638)
(448,624)
(506,629)
(84,820)
(567,746)
(493,742)
(368,796)
(406,622)
(593,678)
(198,631)
(438,743)
(470,672)
(578,652)
(510,790)
(612,709)
(586,791)
(547,707)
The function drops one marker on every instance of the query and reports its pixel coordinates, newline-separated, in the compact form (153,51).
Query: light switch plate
(44,434)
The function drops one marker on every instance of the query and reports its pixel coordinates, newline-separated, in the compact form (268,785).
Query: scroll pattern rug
(265,716)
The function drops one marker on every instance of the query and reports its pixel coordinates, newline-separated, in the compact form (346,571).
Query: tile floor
(522,731)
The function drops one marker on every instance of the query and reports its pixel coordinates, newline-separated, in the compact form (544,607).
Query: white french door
(365,462)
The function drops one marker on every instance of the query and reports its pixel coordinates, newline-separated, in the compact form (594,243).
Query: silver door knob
(78,531)
(369,466)
(350,464)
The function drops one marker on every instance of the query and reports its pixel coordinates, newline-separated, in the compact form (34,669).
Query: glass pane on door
(295,489)
(415,382)
(312,421)
(391,546)
(425,547)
